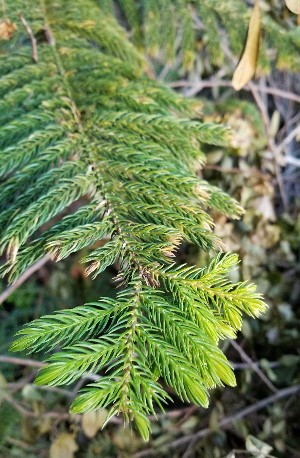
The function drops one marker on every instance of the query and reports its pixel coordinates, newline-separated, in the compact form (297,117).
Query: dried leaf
(274,124)
(3,386)
(293,6)
(93,421)
(7,29)
(64,446)
(247,65)
(265,206)
(257,447)
(31,394)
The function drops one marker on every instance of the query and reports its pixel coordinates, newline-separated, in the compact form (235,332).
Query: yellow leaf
(293,6)
(247,65)
(3,386)
(91,422)
(7,29)
(64,446)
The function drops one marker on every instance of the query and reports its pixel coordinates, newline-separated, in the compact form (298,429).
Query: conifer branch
(77,129)
(32,39)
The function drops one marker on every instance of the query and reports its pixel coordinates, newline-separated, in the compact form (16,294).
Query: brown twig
(292,161)
(243,366)
(20,444)
(226,421)
(256,90)
(59,416)
(14,387)
(253,366)
(250,171)
(21,361)
(188,414)
(3,8)
(29,413)
(290,137)
(49,35)
(261,106)
(38,364)
(192,439)
(32,38)
(198,87)
(177,413)
(265,117)
(6,293)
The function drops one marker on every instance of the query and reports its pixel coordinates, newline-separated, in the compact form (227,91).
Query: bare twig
(293,134)
(14,387)
(188,414)
(5,294)
(261,106)
(226,421)
(198,87)
(28,413)
(32,38)
(280,93)
(265,117)
(59,416)
(20,444)
(293,161)
(49,35)
(253,366)
(291,122)
(3,8)
(38,364)
(21,361)
(242,366)
(192,439)
(177,413)
(251,171)
(256,90)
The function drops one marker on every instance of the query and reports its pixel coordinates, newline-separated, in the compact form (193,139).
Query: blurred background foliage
(193,47)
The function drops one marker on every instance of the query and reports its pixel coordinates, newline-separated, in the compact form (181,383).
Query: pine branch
(75,129)
(176,42)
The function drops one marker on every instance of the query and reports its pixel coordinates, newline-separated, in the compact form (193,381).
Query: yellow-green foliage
(86,124)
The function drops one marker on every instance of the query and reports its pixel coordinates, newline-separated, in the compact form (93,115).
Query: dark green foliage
(95,127)
(177,31)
